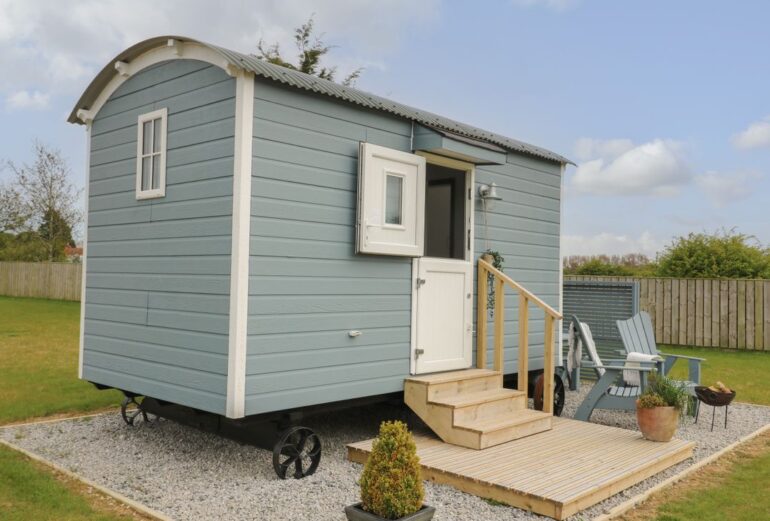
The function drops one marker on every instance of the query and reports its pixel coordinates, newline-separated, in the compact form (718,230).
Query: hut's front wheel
(297,453)
(131,409)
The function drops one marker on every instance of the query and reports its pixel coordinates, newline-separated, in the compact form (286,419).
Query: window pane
(393,187)
(147,137)
(156,135)
(146,173)
(156,171)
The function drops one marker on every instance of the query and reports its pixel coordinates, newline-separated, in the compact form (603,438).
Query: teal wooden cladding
(525,228)
(157,309)
(308,288)
(158,281)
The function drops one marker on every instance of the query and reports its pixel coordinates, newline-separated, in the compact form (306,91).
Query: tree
(724,254)
(311,50)
(41,203)
(600,267)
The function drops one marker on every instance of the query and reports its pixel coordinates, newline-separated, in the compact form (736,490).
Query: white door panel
(444,308)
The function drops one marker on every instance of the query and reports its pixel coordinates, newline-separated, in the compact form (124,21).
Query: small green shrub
(650,401)
(391,485)
(670,392)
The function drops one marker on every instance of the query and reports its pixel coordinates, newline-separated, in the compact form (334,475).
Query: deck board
(555,473)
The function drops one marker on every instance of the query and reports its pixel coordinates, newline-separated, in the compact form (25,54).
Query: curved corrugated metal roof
(317,85)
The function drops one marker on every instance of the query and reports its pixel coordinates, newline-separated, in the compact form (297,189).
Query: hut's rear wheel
(297,453)
(131,409)
(558,394)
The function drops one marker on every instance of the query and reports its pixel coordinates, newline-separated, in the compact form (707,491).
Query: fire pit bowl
(714,398)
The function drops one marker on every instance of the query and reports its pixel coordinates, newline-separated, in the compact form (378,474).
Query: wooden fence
(730,313)
(54,280)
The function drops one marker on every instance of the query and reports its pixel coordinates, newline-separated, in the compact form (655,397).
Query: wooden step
(471,408)
(505,428)
(483,404)
(442,385)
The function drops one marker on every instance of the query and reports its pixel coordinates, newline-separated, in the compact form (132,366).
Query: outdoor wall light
(489,192)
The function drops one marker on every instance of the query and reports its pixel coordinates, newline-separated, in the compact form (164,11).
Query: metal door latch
(418,352)
(419,282)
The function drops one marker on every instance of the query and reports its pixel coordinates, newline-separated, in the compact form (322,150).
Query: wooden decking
(554,473)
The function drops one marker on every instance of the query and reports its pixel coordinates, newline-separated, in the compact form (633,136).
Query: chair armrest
(624,367)
(684,357)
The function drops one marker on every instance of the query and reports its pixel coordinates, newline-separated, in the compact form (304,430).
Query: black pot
(356,513)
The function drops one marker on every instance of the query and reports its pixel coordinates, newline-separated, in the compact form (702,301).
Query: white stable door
(444,300)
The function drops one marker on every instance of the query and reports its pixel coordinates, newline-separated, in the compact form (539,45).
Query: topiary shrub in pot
(659,407)
(391,484)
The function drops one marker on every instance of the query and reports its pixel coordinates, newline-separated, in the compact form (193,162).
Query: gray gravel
(190,475)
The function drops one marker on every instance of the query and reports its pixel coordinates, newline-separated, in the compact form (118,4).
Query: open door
(443,291)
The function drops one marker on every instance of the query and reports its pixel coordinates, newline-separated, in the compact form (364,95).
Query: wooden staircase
(471,408)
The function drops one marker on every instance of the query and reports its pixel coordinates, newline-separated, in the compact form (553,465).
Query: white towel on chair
(631,377)
(591,347)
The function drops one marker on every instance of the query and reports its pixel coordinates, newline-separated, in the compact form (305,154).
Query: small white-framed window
(151,155)
(394,199)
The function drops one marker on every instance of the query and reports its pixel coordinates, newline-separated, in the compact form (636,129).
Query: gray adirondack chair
(610,390)
(638,336)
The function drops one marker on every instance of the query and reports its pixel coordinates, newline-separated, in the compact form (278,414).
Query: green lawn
(38,361)
(741,495)
(29,491)
(748,372)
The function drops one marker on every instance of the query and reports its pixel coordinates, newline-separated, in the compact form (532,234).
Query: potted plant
(659,407)
(391,485)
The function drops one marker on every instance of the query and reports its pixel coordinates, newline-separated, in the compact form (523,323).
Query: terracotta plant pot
(356,513)
(657,423)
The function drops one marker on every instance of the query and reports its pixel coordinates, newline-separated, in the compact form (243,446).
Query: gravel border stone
(190,475)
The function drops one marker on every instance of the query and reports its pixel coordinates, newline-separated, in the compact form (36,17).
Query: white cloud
(611,244)
(727,187)
(757,135)
(25,99)
(617,167)
(555,5)
(587,148)
(58,46)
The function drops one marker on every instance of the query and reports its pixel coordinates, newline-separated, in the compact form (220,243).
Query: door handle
(419,282)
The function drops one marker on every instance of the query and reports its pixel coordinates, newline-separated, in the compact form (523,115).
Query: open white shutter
(391,202)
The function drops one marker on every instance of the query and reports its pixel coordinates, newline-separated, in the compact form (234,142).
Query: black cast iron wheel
(297,453)
(131,409)
(558,394)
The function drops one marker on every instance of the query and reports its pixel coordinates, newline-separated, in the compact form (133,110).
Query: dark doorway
(444,212)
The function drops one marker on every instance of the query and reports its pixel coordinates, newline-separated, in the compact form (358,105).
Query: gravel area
(191,475)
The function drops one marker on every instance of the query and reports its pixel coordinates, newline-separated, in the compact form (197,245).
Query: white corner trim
(192,51)
(560,324)
(84,258)
(239,263)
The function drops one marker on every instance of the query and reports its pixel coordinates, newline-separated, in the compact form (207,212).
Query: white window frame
(152,193)
(402,176)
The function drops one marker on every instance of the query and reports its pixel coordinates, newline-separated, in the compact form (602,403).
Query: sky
(664,106)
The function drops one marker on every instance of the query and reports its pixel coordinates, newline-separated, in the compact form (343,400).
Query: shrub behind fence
(54,280)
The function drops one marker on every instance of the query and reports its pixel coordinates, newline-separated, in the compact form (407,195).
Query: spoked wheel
(131,409)
(297,453)
(558,394)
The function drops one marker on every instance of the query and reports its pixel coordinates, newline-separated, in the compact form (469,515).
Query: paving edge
(624,507)
(134,505)
(56,419)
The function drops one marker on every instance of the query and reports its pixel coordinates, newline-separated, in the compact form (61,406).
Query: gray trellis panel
(600,304)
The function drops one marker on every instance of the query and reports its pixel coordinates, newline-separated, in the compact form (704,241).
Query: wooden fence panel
(731,313)
(53,280)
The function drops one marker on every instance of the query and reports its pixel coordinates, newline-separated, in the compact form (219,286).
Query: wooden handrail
(525,297)
(521,289)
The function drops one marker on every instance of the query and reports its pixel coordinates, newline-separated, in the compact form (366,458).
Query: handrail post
(499,324)
(481,319)
(523,375)
(548,368)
